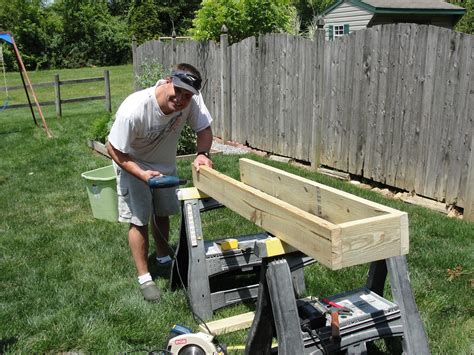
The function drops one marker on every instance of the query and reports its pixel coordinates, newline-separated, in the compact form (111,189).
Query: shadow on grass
(10,131)
(158,271)
(6,343)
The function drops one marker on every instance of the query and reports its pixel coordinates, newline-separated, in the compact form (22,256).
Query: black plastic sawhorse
(193,268)
(277,313)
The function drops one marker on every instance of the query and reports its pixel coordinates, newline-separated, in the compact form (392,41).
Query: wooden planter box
(334,227)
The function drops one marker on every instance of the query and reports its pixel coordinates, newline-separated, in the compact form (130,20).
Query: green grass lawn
(67,281)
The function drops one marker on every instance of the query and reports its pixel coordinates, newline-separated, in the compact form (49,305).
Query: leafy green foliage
(243,18)
(466,24)
(91,35)
(143,20)
(29,24)
(100,127)
(119,7)
(308,10)
(176,15)
(150,74)
(66,33)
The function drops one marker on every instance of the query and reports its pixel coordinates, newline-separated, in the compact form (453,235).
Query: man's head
(187,77)
(184,82)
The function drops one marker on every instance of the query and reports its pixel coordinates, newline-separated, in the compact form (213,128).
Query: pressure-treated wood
(335,228)
(326,202)
(283,220)
(366,226)
(227,325)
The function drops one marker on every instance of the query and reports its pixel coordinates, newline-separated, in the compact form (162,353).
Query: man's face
(177,99)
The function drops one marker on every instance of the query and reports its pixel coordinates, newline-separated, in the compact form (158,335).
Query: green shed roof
(403,6)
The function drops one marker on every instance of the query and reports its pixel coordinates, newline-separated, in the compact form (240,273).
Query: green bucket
(102,190)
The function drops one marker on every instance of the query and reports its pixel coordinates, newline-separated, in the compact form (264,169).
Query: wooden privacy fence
(58,101)
(391,103)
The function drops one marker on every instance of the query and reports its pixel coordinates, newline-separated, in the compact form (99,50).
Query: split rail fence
(392,103)
(59,101)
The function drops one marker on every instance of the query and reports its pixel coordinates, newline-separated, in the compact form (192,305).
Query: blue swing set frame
(7,100)
(8,38)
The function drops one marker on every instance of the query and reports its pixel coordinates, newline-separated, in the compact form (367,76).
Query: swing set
(8,38)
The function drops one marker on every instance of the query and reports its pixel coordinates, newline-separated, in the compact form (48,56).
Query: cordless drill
(164,181)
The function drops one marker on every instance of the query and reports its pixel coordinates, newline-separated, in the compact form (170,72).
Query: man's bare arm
(128,164)
(204,143)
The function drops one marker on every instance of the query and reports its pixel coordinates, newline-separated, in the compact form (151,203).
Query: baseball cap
(186,80)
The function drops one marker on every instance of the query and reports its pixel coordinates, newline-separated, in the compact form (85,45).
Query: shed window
(338,30)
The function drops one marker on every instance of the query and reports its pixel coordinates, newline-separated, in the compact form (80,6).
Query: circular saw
(184,342)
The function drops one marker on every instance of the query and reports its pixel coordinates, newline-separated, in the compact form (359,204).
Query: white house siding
(347,13)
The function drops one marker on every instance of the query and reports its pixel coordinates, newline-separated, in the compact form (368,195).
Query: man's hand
(147,174)
(201,159)
(129,165)
(204,143)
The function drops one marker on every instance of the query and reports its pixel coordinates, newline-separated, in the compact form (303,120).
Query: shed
(345,16)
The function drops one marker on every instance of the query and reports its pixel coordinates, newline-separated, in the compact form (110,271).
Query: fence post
(319,44)
(173,48)
(57,96)
(225,87)
(108,102)
(469,201)
(134,62)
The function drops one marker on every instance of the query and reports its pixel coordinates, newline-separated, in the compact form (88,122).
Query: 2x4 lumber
(306,232)
(374,238)
(326,202)
(190,193)
(227,325)
(369,231)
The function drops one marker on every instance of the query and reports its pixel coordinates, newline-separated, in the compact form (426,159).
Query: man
(142,143)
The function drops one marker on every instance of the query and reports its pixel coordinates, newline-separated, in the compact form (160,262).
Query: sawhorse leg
(414,339)
(276,312)
(191,252)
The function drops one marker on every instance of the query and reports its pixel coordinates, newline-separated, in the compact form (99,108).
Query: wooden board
(326,202)
(368,229)
(335,228)
(227,325)
(302,230)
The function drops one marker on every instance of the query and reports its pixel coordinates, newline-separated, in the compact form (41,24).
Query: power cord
(196,318)
(308,330)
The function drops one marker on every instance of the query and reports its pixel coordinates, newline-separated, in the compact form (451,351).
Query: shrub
(100,127)
(150,73)
(243,18)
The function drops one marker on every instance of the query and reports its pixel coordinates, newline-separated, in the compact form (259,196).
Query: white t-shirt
(149,136)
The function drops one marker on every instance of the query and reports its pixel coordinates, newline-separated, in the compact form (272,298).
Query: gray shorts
(135,202)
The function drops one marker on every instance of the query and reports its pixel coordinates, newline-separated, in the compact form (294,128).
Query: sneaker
(163,269)
(150,291)
(165,264)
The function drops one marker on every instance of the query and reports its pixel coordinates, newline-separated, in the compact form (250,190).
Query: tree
(30,23)
(177,15)
(119,7)
(243,18)
(309,9)
(143,20)
(466,24)
(91,36)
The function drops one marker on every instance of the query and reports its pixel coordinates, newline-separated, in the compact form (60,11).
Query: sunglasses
(188,78)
